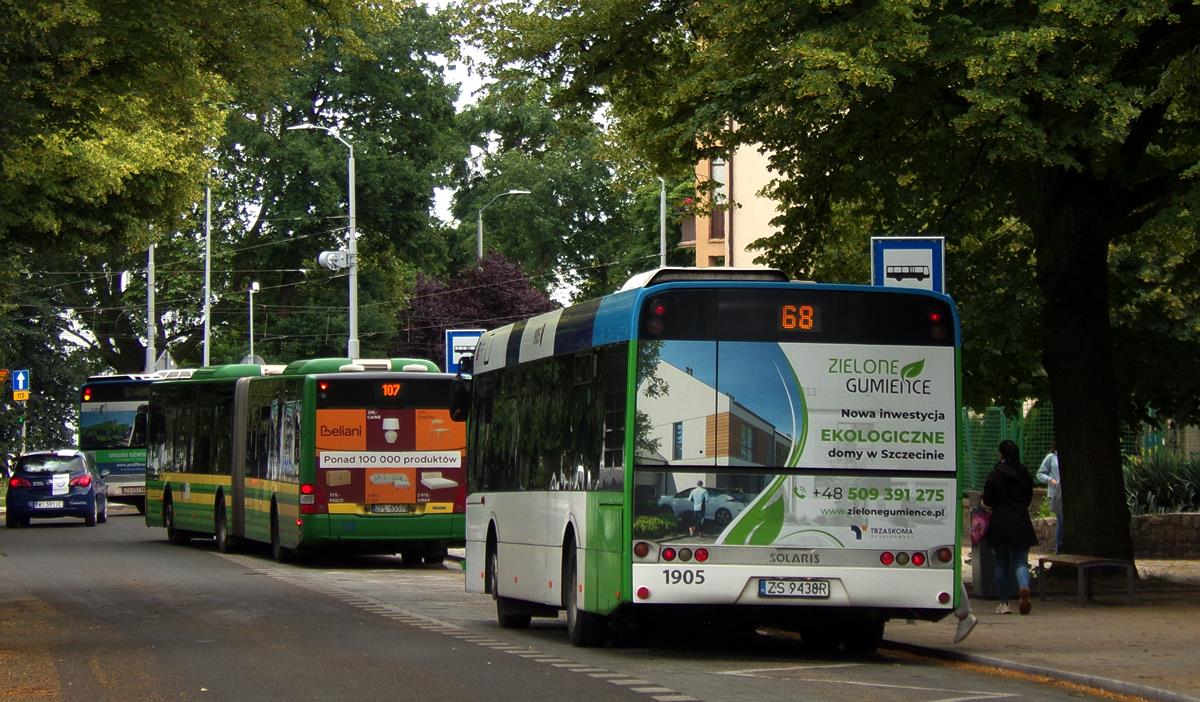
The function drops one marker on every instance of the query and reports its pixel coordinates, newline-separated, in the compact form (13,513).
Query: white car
(722,506)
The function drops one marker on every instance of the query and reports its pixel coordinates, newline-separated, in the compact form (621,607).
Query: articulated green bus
(720,445)
(341,454)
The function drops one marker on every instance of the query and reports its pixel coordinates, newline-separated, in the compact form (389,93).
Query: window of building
(677,441)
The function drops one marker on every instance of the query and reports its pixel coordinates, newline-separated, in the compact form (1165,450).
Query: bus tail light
(656,322)
(641,549)
(82,481)
(668,554)
(902,558)
(685,554)
(308,500)
(887,558)
(701,555)
(15,482)
(944,598)
(643,593)
(87,394)
(918,559)
(944,554)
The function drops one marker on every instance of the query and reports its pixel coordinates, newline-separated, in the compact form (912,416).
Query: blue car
(48,484)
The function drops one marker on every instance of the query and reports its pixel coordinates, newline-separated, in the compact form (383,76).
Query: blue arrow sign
(20,380)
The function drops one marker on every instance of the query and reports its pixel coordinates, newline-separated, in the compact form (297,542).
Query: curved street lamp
(479,223)
(352,342)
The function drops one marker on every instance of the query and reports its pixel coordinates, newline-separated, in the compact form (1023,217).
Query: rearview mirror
(460,399)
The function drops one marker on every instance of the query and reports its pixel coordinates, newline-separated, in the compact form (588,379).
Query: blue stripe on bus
(574,332)
(512,354)
(614,318)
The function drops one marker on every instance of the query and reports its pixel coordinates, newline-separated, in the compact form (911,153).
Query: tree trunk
(1072,265)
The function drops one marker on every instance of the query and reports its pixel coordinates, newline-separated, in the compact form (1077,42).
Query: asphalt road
(115,613)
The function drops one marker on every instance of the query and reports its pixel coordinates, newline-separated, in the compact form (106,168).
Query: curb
(1106,684)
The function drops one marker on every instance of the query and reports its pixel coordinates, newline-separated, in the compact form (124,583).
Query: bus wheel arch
(583,628)
(509,613)
(278,552)
(220,526)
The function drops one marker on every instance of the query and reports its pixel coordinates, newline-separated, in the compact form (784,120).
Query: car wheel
(723,517)
(11,521)
(93,515)
(583,628)
(103,516)
(505,616)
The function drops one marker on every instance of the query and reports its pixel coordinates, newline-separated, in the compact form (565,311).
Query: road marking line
(630,681)
(752,672)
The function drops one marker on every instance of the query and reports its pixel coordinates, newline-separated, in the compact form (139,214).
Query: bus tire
(434,555)
(583,628)
(863,637)
(278,552)
(220,529)
(141,506)
(506,617)
(174,535)
(411,556)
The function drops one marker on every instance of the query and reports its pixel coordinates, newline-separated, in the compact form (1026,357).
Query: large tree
(1072,124)
(280,197)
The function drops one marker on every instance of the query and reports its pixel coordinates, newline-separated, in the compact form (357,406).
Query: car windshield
(50,464)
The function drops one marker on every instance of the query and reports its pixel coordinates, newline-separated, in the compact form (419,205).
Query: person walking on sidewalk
(1048,475)
(1008,492)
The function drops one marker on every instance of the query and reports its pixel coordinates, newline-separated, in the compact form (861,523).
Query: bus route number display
(798,318)
(389,389)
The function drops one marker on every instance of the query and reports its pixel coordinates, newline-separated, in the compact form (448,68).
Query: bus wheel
(220,530)
(174,535)
(583,628)
(141,506)
(435,555)
(505,616)
(410,556)
(278,552)
(863,636)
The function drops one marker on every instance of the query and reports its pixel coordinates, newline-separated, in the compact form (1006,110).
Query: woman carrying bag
(1010,534)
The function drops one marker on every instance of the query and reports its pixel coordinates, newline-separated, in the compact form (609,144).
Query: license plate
(810,588)
(48,504)
(391,509)
(135,490)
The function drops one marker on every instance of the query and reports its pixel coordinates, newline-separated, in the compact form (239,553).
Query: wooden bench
(1086,566)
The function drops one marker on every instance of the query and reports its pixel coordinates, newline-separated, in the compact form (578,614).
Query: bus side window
(137,437)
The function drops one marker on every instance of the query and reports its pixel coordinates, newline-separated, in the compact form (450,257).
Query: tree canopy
(1047,132)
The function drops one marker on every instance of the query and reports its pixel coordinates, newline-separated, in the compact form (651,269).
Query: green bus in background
(722,446)
(338,454)
(112,430)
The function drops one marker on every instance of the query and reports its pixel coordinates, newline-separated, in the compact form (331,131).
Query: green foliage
(654,527)
(1162,480)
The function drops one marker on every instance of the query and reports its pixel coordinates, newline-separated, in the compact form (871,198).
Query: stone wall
(1172,536)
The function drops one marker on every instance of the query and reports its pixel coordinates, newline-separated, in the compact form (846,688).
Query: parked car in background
(722,505)
(46,484)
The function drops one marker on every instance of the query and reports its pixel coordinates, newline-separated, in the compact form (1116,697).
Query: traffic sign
(460,342)
(909,262)
(20,380)
(20,395)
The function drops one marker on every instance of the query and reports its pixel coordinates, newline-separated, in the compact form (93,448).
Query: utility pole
(150,327)
(207,267)
(662,223)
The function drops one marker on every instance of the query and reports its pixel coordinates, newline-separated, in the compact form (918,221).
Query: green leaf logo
(912,370)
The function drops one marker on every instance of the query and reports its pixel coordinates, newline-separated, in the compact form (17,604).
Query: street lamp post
(352,342)
(479,223)
(253,289)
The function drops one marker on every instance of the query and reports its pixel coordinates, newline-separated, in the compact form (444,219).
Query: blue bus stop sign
(460,342)
(909,262)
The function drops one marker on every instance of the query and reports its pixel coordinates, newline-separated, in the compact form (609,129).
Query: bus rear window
(383,392)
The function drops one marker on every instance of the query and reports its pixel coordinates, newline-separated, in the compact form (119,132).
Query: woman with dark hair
(1008,492)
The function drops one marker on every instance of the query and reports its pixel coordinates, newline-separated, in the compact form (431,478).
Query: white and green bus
(722,445)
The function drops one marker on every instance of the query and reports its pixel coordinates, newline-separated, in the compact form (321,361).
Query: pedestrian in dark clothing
(1008,492)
